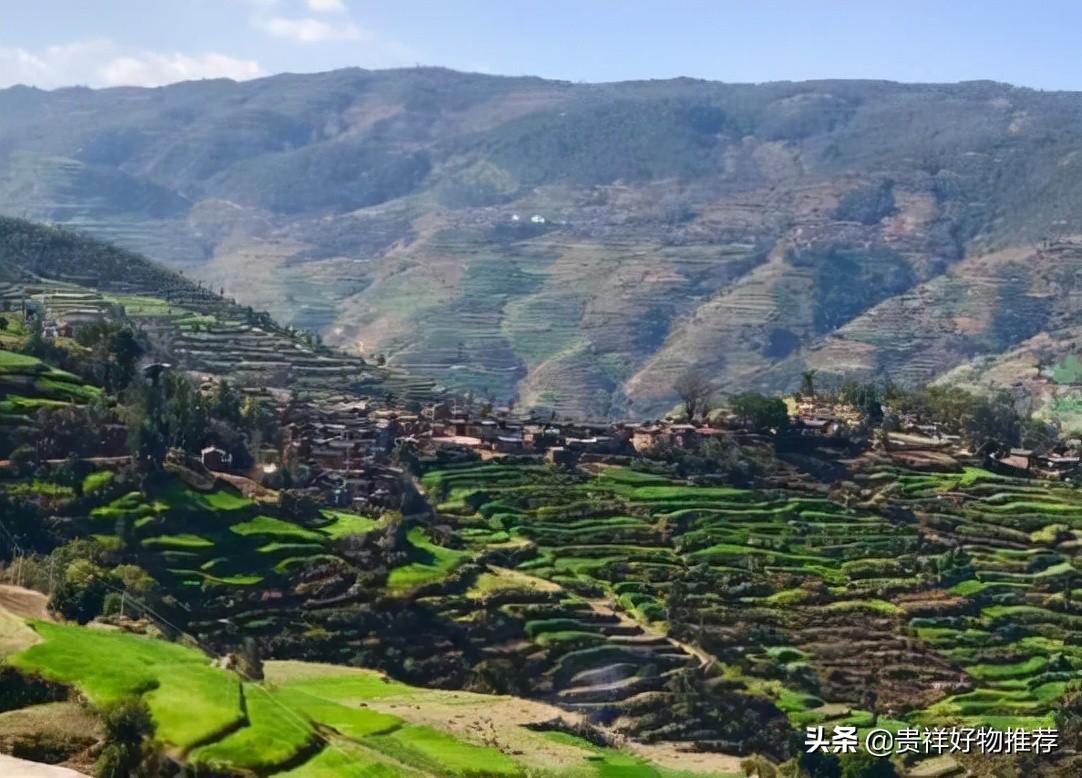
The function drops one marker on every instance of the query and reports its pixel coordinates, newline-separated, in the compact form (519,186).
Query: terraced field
(665,611)
(406,597)
(27,385)
(308,721)
(931,598)
(194,327)
(218,552)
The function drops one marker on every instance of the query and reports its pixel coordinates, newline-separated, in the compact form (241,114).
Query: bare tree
(694,390)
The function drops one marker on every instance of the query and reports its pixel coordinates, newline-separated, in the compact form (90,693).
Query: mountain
(576,246)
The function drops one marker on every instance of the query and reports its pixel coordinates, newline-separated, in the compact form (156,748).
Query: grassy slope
(190,701)
(285,722)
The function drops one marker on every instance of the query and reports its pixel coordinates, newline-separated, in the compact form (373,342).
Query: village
(343,442)
(354,453)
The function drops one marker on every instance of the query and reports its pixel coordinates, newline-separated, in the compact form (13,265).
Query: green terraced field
(190,701)
(27,383)
(914,598)
(958,605)
(433,564)
(309,720)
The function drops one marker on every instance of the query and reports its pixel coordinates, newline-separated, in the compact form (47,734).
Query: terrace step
(642,640)
(620,630)
(611,692)
(603,675)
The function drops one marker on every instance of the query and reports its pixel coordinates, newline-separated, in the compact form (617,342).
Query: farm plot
(944,597)
(221,552)
(311,720)
(28,385)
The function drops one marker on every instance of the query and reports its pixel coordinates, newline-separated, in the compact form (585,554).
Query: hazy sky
(52,43)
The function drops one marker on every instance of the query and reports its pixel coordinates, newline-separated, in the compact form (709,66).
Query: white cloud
(327,6)
(309,30)
(100,62)
(156,69)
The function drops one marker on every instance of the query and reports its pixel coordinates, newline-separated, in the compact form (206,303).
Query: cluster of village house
(63,326)
(833,420)
(346,444)
(346,441)
(1061,462)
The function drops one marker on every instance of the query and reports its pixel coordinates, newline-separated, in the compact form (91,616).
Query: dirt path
(10,767)
(24,602)
(604,608)
(667,754)
(495,722)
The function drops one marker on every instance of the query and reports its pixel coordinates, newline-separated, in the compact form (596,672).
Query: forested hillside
(577,245)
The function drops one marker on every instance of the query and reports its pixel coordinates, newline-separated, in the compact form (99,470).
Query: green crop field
(305,719)
(27,383)
(976,631)
(190,701)
(433,564)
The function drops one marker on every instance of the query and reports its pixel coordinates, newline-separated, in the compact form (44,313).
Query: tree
(1038,435)
(115,351)
(866,398)
(145,443)
(807,383)
(761,412)
(125,351)
(3,323)
(185,415)
(129,750)
(819,764)
(65,430)
(994,420)
(227,403)
(695,392)
(81,595)
(1068,716)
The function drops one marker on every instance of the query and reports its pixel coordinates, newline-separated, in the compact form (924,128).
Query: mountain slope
(574,245)
(70,276)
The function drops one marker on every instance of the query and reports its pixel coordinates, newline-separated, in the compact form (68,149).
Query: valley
(347,485)
(452,586)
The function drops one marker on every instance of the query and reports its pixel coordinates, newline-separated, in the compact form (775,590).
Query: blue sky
(52,43)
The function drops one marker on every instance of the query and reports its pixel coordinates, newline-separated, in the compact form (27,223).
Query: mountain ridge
(573,246)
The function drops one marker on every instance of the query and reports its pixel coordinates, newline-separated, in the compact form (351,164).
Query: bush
(129,751)
(864,765)
(21,691)
(24,462)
